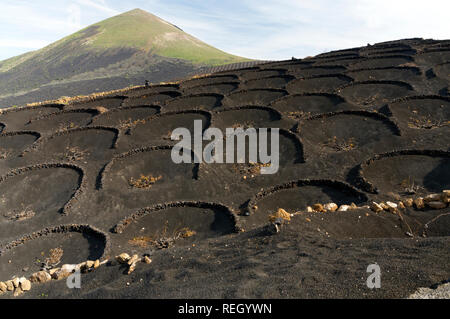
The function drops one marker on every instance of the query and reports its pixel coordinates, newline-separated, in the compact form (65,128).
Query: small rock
(83,267)
(146,260)
(408,202)
(318,208)
(133,259)
(343,208)
(436,205)
(123,258)
(309,209)
(445,196)
(432,198)
(25,284)
(53,271)
(418,202)
(401,205)
(384,206)
(18,291)
(90,264)
(3,287)
(392,207)
(132,263)
(69,268)
(41,277)
(9,285)
(409,234)
(25,269)
(376,207)
(96,264)
(353,206)
(331,207)
(16,282)
(101,109)
(61,274)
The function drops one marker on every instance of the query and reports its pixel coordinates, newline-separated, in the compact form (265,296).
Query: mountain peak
(132,44)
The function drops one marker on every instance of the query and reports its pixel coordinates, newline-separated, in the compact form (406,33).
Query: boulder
(40,277)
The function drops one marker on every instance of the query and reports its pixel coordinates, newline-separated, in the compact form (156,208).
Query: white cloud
(24,44)
(99,5)
(252,28)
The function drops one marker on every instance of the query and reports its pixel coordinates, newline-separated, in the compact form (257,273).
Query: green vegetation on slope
(132,45)
(141,30)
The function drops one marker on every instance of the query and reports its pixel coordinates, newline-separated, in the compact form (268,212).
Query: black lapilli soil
(95,178)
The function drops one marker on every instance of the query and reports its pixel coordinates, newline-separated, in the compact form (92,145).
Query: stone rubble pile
(19,285)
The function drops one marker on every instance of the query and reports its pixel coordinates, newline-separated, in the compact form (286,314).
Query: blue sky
(259,29)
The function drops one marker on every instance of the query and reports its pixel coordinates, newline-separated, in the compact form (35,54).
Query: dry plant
(250,169)
(129,123)
(426,122)
(73,154)
(53,259)
(280,214)
(142,241)
(4,153)
(340,146)
(409,186)
(298,115)
(64,126)
(162,240)
(144,181)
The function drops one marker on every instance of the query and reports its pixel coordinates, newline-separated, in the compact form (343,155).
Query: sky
(269,30)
